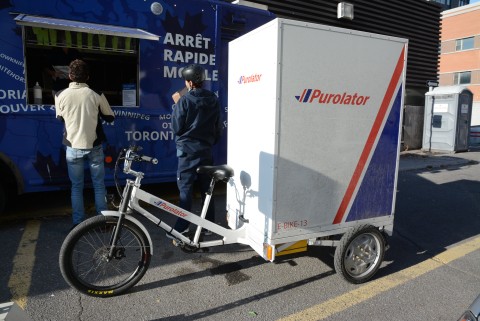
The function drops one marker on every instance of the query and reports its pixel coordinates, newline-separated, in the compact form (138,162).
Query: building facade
(460,52)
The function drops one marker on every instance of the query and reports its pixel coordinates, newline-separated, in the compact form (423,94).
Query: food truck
(136,51)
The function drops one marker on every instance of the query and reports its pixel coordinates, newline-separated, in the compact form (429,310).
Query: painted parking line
(23,262)
(374,288)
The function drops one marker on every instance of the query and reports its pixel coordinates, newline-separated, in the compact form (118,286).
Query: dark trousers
(186,178)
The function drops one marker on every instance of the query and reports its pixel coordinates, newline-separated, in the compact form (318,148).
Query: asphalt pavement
(241,286)
(428,160)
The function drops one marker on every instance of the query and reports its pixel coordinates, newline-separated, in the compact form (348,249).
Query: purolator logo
(166,207)
(248,79)
(319,97)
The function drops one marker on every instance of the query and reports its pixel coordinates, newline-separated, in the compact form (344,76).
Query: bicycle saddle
(217,172)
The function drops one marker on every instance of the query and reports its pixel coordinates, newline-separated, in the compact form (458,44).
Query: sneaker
(170,236)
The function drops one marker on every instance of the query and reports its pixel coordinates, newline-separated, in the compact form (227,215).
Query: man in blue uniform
(196,123)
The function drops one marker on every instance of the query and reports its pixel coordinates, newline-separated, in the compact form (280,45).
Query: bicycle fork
(123,208)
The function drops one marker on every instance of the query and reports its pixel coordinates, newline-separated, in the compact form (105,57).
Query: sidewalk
(418,159)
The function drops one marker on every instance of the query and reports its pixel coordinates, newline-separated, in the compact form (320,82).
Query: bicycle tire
(83,261)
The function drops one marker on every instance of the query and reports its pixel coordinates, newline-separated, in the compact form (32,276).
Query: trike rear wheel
(359,253)
(84,257)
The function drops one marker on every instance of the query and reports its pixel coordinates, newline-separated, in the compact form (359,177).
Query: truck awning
(61,24)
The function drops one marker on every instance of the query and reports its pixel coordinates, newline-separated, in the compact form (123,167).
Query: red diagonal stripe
(371,139)
(303,95)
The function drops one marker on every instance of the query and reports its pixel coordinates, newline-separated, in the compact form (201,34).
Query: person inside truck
(197,125)
(57,65)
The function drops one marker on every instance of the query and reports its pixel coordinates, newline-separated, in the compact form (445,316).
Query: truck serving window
(111,52)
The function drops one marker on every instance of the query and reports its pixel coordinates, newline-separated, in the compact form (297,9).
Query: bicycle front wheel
(84,257)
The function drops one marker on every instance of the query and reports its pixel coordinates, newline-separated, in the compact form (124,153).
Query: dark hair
(79,71)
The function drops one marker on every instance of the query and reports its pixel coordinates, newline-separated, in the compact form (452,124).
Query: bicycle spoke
(92,265)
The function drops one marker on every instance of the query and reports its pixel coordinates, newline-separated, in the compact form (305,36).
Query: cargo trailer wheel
(359,253)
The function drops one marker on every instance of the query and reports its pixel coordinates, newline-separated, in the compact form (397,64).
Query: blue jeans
(76,168)
(186,177)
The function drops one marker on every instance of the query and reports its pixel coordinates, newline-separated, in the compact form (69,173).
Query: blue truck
(136,51)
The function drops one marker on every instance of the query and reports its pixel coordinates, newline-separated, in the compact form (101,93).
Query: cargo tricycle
(314,116)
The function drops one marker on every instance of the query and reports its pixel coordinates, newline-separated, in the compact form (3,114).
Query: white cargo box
(314,116)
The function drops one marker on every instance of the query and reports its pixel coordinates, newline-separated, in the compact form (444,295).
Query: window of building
(444,2)
(462,78)
(464,44)
(103,47)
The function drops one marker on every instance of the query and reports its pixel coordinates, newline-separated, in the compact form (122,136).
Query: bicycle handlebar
(152,160)
(132,156)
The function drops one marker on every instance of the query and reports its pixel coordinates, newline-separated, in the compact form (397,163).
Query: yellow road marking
(20,279)
(340,303)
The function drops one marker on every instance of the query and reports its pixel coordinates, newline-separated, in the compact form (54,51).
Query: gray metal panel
(413,126)
(320,145)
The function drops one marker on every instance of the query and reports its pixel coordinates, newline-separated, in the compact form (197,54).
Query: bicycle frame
(133,193)
(229,236)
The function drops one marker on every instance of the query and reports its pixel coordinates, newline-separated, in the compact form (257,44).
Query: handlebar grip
(149,159)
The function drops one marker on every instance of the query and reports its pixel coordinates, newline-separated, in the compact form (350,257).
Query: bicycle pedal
(188,249)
